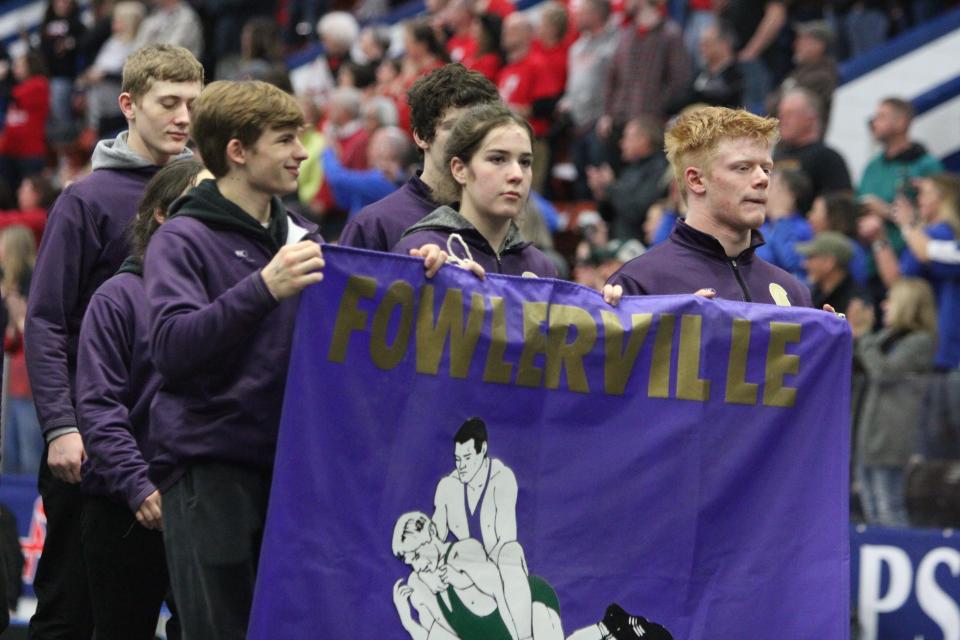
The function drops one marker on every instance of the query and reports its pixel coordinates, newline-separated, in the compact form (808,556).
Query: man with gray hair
(587,65)
(338,31)
(389,150)
(801,145)
(345,128)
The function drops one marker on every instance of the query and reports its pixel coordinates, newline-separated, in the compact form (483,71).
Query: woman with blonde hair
(23,444)
(892,359)
(935,217)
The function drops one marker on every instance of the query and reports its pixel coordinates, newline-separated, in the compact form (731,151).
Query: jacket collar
(685,235)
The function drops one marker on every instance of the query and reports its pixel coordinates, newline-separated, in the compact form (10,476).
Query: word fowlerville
(557,339)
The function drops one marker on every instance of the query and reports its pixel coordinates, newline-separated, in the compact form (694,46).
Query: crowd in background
(598,81)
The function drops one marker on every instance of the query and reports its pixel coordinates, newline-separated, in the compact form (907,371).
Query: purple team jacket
(517,257)
(219,339)
(690,260)
(380,225)
(84,243)
(116,382)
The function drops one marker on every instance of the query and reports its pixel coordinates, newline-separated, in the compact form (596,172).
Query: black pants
(64,610)
(213,520)
(127,570)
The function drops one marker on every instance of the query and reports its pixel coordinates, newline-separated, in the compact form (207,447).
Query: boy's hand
(612,294)
(150,513)
(65,456)
(293,269)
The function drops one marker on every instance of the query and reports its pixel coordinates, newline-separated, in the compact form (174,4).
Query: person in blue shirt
(786,224)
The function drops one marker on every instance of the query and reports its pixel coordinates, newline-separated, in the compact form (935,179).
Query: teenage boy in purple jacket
(436,101)
(223,276)
(83,245)
(116,382)
(722,160)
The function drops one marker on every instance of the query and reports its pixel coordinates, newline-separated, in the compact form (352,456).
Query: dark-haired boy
(436,101)
(84,244)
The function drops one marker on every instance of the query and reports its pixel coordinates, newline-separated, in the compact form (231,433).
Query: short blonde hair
(242,110)
(158,62)
(695,136)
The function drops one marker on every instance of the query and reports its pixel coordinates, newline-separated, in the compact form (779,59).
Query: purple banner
(514,458)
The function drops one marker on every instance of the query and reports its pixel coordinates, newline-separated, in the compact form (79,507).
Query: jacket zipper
(743,285)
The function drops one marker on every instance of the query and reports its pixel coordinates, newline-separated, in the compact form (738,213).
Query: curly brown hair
(450,86)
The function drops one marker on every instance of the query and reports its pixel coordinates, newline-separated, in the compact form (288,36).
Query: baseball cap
(828,243)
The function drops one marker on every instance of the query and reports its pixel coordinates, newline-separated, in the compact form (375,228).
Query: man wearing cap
(825,259)
(815,70)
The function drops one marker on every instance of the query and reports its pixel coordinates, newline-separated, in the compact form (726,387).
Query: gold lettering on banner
(432,336)
(660,366)
(384,355)
(739,391)
(350,317)
(569,355)
(496,369)
(779,364)
(534,344)
(619,360)
(689,384)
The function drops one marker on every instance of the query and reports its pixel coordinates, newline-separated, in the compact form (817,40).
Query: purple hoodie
(219,339)
(84,243)
(116,383)
(515,258)
(380,225)
(690,260)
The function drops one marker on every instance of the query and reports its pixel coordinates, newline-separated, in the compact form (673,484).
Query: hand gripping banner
(513,458)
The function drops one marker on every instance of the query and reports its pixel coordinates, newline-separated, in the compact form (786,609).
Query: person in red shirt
(522,84)
(488,58)
(23,144)
(35,195)
(554,38)
(458,18)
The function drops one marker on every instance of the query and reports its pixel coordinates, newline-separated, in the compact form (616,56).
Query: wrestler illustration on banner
(478,586)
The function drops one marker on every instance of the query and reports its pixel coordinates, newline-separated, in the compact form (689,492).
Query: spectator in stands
(488,171)
(524,82)
(458,19)
(700,16)
(101,81)
(23,442)
(866,25)
(260,56)
(35,195)
(886,430)
(374,43)
(436,103)
(589,62)
(801,145)
(354,189)
(379,111)
(815,69)
(938,214)
(61,33)
(763,57)
(23,144)
(422,50)
(720,83)
(338,32)
(650,72)
(553,43)
(786,225)
(488,57)
(826,260)
(899,161)
(345,129)
(839,212)
(172,22)
(624,197)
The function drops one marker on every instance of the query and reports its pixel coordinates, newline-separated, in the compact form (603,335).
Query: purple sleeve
(189,329)
(57,278)
(630,286)
(106,344)
(353,234)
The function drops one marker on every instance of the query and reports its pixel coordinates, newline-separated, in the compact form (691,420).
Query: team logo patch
(779,295)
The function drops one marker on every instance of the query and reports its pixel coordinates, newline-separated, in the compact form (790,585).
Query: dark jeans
(127,570)
(63,597)
(213,520)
